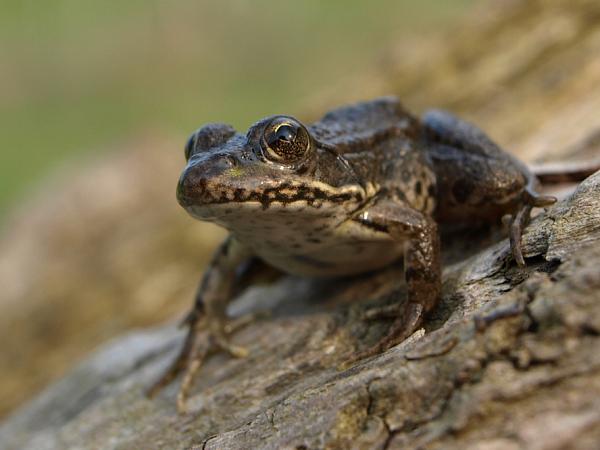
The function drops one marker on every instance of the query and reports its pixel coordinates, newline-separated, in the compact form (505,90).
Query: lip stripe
(285,193)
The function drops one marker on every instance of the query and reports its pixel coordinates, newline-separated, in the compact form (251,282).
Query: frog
(366,186)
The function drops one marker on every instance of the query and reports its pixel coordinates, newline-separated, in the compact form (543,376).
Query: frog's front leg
(419,234)
(207,321)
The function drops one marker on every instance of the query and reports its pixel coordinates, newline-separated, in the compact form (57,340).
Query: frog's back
(362,126)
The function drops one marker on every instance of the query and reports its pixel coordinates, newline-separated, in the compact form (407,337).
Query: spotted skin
(304,200)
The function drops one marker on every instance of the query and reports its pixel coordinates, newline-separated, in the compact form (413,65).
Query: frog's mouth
(207,197)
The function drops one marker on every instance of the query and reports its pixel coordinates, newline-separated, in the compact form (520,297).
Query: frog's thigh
(476,179)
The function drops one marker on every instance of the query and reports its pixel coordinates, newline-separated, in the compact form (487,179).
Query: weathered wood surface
(509,360)
(528,72)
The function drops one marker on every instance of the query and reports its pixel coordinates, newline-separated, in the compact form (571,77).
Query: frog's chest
(318,246)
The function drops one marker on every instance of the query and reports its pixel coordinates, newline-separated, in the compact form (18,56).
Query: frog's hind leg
(209,327)
(477,180)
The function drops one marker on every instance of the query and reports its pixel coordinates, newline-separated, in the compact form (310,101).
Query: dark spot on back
(431,190)
(418,187)
(461,190)
(399,193)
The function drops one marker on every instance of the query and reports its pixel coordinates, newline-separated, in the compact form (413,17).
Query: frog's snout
(193,188)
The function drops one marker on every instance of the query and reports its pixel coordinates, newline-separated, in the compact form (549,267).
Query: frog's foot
(200,342)
(519,221)
(408,317)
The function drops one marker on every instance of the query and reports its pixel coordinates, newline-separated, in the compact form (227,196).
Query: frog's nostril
(229,161)
(190,187)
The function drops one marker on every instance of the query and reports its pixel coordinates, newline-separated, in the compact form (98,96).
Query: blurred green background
(78,75)
(99,245)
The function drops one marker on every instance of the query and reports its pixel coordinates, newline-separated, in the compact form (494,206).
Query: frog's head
(278,166)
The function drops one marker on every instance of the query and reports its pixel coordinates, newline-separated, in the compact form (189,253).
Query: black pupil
(285,133)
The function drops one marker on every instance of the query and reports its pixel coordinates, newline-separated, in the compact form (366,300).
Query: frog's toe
(204,344)
(519,221)
(238,352)
(196,356)
(408,319)
(179,363)
(517,224)
(380,312)
(221,334)
(538,200)
(226,346)
(237,323)
(200,342)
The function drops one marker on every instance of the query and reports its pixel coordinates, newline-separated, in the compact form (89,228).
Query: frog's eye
(285,140)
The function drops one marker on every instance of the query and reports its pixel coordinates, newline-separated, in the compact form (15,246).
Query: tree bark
(508,360)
